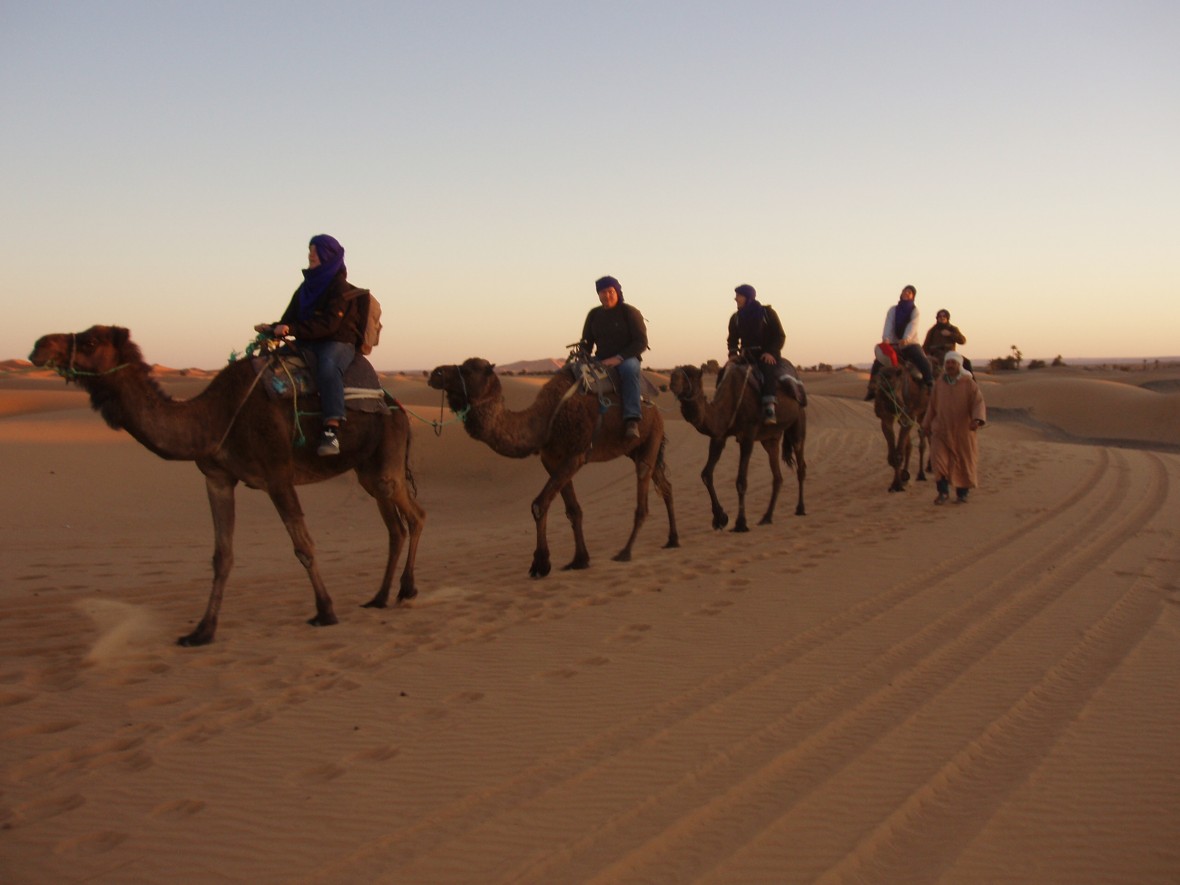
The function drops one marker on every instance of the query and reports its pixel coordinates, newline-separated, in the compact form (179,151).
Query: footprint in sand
(92,843)
(179,808)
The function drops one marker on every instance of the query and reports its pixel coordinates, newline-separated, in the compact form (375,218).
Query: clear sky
(483,162)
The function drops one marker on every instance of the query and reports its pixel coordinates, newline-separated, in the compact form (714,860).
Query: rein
(899,410)
(72,374)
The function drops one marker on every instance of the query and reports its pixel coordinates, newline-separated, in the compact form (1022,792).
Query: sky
(483,162)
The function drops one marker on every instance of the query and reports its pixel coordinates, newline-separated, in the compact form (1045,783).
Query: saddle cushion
(289,375)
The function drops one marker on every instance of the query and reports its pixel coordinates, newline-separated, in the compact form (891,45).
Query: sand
(879,691)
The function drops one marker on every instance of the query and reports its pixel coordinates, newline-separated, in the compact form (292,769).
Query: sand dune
(881,691)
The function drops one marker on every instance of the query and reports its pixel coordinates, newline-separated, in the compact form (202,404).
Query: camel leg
(644,465)
(220,490)
(287,503)
(560,475)
(664,487)
(716,447)
(776,473)
(573,512)
(745,448)
(922,466)
(403,517)
(797,441)
(894,454)
(904,452)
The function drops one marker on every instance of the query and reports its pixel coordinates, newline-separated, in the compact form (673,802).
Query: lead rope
(238,410)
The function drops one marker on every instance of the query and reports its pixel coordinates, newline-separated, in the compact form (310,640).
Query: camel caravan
(252,425)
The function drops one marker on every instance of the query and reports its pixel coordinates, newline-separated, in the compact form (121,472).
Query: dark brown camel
(567,432)
(736,410)
(235,433)
(902,399)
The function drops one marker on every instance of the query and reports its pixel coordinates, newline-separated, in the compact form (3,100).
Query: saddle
(788,381)
(890,358)
(591,376)
(288,374)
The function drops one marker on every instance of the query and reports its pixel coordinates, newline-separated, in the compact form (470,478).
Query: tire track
(609,749)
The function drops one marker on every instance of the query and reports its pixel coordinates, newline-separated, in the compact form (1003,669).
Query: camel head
(97,351)
(468,384)
(685,382)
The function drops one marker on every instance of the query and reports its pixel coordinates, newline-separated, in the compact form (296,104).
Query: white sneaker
(329,443)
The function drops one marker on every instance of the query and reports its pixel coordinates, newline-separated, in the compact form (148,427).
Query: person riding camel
(756,336)
(901,337)
(616,335)
(942,338)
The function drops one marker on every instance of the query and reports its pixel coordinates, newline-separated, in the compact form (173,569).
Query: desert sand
(881,691)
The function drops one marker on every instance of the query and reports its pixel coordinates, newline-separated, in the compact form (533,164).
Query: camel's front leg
(921,454)
(220,490)
(776,473)
(573,512)
(894,454)
(745,448)
(716,447)
(559,476)
(660,477)
(287,503)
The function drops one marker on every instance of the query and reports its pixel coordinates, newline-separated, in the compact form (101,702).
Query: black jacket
(336,316)
(615,331)
(754,338)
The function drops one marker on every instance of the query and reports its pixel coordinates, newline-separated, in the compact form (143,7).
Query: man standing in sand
(955,413)
(616,334)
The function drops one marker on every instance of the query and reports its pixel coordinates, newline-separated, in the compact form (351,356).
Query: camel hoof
(766,520)
(672,543)
(799,511)
(740,528)
(576,565)
(405,594)
(720,520)
(322,621)
(194,639)
(622,556)
(376,602)
(539,571)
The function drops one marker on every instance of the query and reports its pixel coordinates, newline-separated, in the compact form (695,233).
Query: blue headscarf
(317,279)
(751,310)
(901,317)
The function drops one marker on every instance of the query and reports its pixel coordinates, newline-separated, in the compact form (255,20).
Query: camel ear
(119,336)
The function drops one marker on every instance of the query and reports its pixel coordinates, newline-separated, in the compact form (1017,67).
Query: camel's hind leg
(403,518)
(776,474)
(793,442)
(220,489)
(664,486)
(647,459)
(287,503)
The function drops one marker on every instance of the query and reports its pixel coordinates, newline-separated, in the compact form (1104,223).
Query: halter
(72,374)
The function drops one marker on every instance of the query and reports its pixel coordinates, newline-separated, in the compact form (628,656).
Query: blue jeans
(331,359)
(629,382)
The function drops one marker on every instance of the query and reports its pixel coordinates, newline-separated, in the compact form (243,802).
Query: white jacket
(911,330)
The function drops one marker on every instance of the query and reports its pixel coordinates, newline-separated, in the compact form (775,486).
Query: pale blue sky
(482,163)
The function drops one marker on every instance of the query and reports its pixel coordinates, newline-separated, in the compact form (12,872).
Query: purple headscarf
(317,279)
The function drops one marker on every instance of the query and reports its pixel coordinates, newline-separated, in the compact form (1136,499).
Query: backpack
(370,319)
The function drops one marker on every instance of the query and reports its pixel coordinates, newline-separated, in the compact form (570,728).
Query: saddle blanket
(290,376)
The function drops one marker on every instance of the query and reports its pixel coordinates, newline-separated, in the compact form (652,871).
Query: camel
(567,429)
(902,398)
(235,433)
(736,410)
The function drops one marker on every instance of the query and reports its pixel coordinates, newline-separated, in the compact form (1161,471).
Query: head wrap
(953,356)
(317,279)
(607,283)
(751,309)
